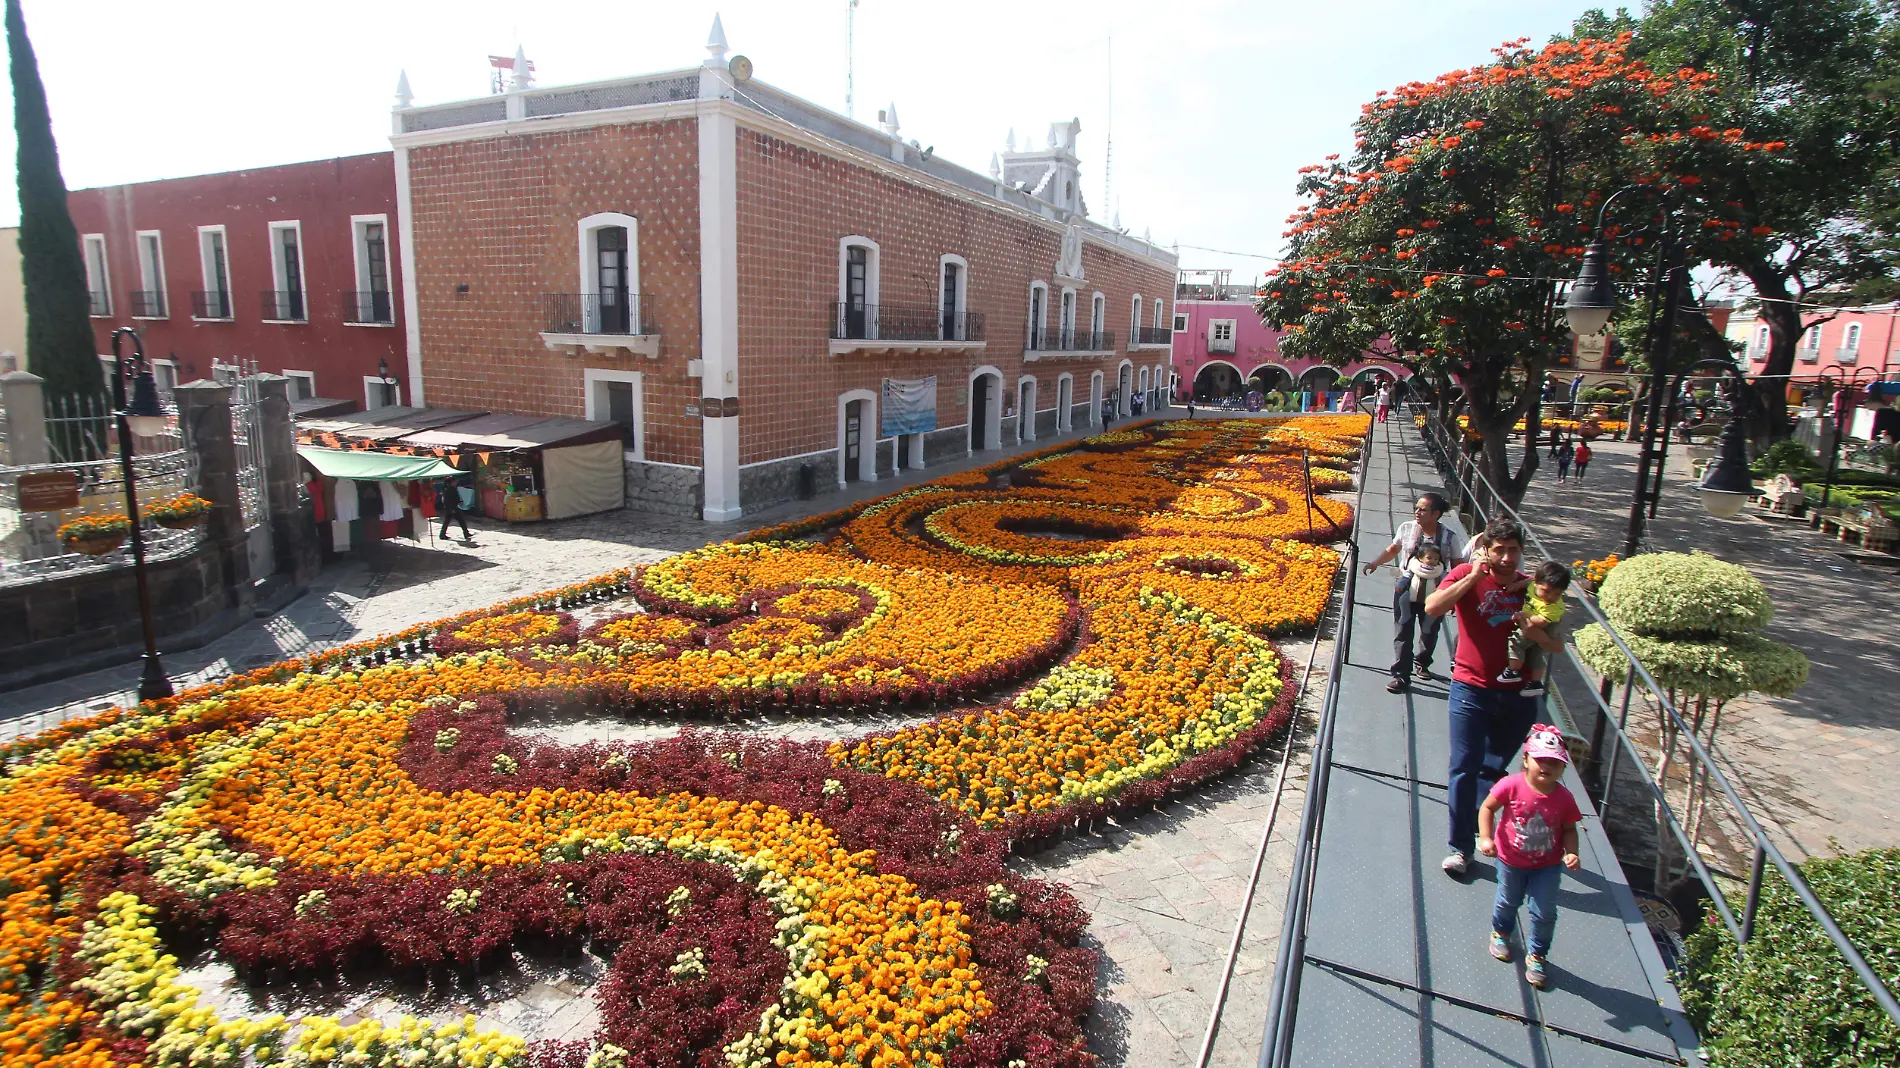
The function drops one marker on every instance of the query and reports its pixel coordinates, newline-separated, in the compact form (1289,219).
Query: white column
(406,238)
(719,293)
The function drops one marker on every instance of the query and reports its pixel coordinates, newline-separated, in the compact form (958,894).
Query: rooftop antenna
(850,54)
(1108,146)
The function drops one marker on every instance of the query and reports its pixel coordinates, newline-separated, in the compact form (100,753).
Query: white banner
(910,406)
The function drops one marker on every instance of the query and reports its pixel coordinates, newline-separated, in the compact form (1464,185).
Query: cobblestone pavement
(1164,888)
(1805,764)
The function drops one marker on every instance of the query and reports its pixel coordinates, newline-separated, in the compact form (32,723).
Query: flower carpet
(1077,632)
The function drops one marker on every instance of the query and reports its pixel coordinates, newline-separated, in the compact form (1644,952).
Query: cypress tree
(59,339)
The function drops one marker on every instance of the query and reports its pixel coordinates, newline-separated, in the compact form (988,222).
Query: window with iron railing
(284,306)
(371,307)
(616,312)
(148,304)
(210,304)
(850,321)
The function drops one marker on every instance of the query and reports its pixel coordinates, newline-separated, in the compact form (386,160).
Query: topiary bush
(1787,457)
(1717,669)
(1788,997)
(1684,595)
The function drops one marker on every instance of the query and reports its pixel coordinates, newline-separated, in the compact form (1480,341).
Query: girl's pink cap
(1546,743)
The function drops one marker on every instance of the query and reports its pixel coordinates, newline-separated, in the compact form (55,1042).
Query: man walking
(1489,719)
(448,504)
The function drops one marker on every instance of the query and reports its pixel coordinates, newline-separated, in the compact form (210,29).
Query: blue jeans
(1488,727)
(1539,887)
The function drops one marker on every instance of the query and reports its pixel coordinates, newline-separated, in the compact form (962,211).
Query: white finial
(889,119)
(524,73)
(1147,236)
(403,95)
(1011,143)
(996,166)
(716,43)
(1118,217)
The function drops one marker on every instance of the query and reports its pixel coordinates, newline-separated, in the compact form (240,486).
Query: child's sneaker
(1533,688)
(1510,674)
(1500,946)
(1456,864)
(1534,971)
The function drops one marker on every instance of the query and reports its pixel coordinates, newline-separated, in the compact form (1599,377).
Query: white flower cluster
(689,965)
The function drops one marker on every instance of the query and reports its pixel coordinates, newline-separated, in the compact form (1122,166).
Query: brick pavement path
(1808,765)
(1164,888)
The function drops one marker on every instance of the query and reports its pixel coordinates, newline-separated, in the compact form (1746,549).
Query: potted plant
(182,512)
(95,535)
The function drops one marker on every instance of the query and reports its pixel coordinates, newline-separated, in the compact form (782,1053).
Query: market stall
(364,495)
(529,467)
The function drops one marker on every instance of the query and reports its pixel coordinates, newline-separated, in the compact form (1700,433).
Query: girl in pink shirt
(1529,823)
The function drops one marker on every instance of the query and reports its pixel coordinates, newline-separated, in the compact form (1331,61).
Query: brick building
(760,290)
(294,268)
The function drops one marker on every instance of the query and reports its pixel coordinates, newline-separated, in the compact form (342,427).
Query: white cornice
(747,117)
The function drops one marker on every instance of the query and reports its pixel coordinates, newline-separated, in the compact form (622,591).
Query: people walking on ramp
(1529,823)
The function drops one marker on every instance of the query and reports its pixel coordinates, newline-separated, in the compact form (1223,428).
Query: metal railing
(372,306)
(148,304)
(850,321)
(1698,774)
(30,549)
(1154,335)
(211,304)
(284,305)
(615,313)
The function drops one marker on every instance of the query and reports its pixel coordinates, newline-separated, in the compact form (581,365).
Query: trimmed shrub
(1684,595)
(1789,998)
(1718,669)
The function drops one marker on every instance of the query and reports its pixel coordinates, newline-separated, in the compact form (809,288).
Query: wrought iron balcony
(285,306)
(1065,340)
(368,306)
(1154,335)
(1096,341)
(898,322)
(148,304)
(213,304)
(599,313)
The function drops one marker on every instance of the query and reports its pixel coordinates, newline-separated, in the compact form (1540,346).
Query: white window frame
(868,442)
(98,275)
(871,257)
(1095,398)
(1811,343)
(152,280)
(1761,344)
(590,264)
(1180,322)
(1850,344)
(1098,315)
(597,410)
(171,369)
(205,269)
(1161,309)
(1026,411)
(277,267)
(1134,322)
(359,255)
(370,382)
(1065,318)
(1065,413)
(1038,325)
(963,291)
(309,378)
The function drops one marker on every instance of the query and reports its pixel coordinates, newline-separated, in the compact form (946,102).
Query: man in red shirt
(1489,719)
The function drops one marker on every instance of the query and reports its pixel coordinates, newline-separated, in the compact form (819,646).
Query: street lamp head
(144,416)
(1592,298)
(1727,485)
(382,369)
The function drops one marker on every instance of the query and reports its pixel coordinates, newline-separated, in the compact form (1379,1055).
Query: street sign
(48,491)
(692,411)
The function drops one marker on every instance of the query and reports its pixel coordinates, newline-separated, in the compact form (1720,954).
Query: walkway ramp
(1386,955)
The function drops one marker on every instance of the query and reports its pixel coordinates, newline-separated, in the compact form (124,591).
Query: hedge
(1718,668)
(1789,1000)
(1684,595)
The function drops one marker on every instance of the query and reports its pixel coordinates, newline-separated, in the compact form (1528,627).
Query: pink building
(1864,342)
(1222,349)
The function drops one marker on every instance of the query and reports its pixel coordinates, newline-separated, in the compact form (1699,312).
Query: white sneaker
(1456,864)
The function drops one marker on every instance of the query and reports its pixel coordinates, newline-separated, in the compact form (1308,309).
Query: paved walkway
(1806,764)
(1393,969)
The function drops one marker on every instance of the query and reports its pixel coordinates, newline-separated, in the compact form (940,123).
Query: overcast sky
(1216,105)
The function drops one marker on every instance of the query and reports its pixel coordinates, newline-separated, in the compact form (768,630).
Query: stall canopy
(374,466)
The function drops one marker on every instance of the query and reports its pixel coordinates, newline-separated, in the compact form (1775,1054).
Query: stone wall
(764,485)
(949,443)
(665,489)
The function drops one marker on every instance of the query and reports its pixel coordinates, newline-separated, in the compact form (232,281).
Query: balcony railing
(99,303)
(1847,354)
(368,306)
(1215,344)
(1069,339)
(629,314)
(897,322)
(1154,335)
(284,306)
(148,303)
(1095,340)
(214,304)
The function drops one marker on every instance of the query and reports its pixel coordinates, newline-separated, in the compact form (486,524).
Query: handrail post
(1754,893)
(1622,721)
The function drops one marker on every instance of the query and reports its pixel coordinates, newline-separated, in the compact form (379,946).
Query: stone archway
(1216,379)
(986,408)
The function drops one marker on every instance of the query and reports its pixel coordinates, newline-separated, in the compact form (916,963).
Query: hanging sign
(910,406)
(48,491)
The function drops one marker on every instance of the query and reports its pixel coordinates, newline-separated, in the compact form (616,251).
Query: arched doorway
(1095,399)
(986,408)
(1216,380)
(1269,377)
(857,436)
(1124,387)
(1026,409)
(1065,404)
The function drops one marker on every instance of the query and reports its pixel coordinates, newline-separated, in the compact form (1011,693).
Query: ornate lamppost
(142,418)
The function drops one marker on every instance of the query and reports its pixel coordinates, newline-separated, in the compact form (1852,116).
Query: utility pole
(850,53)
(1108,147)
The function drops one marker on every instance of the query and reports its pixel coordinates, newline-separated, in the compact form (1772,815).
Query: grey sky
(1216,105)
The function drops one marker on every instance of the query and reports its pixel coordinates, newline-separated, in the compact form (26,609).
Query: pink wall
(1255,344)
(1878,349)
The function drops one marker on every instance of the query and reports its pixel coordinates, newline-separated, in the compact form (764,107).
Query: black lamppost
(1588,307)
(1842,417)
(382,375)
(144,418)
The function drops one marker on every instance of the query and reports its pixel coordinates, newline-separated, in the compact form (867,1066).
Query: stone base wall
(952,443)
(1046,425)
(61,626)
(666,489)
(1079,415)
(763,485)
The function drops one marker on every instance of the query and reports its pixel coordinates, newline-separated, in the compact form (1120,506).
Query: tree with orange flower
(1470,198)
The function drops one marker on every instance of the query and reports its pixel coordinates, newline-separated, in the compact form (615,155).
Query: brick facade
(500,216)
(322,196)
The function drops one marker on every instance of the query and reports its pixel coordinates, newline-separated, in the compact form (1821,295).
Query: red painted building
(294,268)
